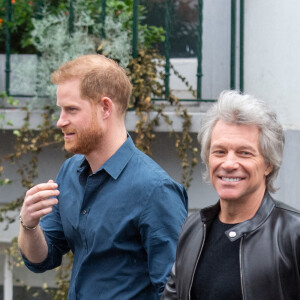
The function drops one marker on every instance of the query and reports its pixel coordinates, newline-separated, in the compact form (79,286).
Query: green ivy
(50,37)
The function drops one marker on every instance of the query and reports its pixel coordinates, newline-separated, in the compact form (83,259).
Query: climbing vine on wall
(146,73)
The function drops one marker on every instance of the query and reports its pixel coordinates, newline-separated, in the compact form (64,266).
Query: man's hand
(38,202)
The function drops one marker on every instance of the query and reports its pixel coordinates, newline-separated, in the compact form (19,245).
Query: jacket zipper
(241,268)
(198,257)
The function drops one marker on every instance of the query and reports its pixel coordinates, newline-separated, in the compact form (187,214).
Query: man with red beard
(111,205)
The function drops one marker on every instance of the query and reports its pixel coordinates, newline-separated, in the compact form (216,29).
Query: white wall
(272,63)
(272,72)
(272,69)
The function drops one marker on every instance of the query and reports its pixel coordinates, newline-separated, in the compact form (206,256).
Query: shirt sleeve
(57,244)
(160,225)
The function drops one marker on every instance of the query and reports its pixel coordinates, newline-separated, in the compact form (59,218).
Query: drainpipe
(8,279)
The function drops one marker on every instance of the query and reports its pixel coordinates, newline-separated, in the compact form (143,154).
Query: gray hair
(235,108)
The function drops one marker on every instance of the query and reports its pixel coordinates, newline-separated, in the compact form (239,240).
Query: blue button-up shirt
(121,222)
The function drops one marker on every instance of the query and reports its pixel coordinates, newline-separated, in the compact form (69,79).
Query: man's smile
(68,134)
(231,179)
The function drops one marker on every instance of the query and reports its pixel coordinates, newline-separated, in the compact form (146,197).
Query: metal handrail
(199,49)
(167,44)
(232,44)
(242,11)
(7,45)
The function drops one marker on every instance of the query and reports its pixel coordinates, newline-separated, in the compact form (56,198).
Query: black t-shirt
(217,275)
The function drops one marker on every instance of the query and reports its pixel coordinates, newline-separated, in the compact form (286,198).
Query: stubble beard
(86,140)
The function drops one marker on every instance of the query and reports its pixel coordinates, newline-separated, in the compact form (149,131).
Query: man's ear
(268,170)
(106,106)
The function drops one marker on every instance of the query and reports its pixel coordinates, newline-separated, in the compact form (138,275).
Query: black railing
(233,84)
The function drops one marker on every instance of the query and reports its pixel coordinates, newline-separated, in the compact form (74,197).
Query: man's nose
(230,162)
(62,121)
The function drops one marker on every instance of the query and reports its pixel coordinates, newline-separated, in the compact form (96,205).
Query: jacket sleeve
(170,292)
(188,247)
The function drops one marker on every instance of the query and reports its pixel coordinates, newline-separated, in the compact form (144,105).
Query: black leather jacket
(269,253)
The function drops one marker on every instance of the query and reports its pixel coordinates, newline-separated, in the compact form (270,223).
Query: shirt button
(83,212)
(232,234)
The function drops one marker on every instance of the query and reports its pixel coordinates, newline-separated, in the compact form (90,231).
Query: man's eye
(246,153)
(218,152)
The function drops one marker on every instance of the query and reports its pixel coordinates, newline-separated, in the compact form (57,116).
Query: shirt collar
(116,163)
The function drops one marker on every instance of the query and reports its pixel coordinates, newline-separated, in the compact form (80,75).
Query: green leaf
(17,132)
(9,123)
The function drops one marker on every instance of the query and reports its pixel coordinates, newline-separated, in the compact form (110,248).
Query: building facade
(271,71)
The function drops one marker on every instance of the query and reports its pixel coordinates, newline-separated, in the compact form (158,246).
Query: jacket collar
(235,232)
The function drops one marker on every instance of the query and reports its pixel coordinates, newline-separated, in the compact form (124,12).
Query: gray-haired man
(247,246)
